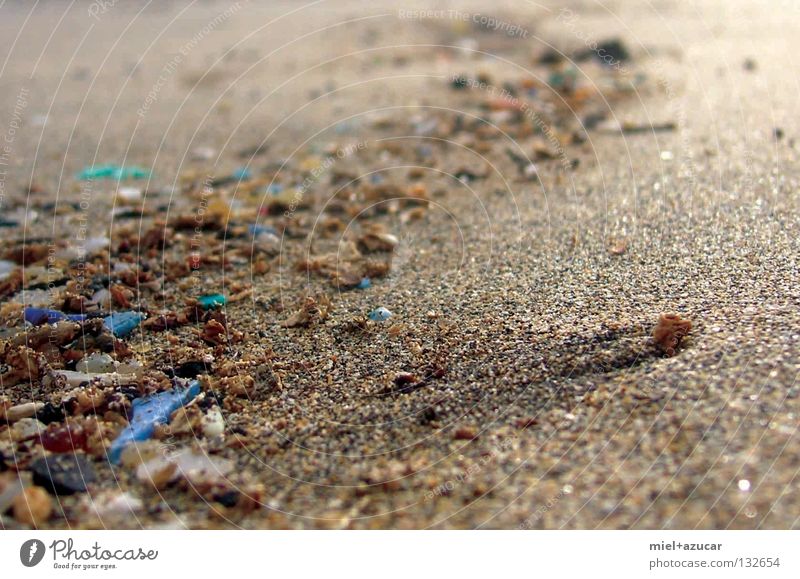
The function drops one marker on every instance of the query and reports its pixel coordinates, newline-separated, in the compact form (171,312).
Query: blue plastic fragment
(122,323)
(380,315)
(113,172)
(212,301)
(274,188)
(147,413)
(256,230)
(364,283)
(39,316)
(242,174)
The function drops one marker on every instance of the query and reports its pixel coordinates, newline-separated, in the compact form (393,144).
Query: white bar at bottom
(388,554)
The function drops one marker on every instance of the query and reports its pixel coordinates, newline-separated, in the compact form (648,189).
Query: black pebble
(459,83)
(63,474)
(50,413)
(228,498)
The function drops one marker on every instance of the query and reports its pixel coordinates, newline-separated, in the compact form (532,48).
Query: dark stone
(212,398)
(459,83)
(428,415)
(63,474)
(551,56)
(228,498)
(608,52)
(50,413)
(190,369)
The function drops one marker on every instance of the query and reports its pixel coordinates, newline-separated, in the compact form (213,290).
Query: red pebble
(65,438)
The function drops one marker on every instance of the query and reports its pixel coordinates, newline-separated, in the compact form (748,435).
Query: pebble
(196,467)
(32,507)
(27,410)
(213,424)
(108,379)
(113,504)
(203,153)
(6,267)
(63,474)
(64,438)
(129,194)
(380,314)
(9,489)
(94,244)
(50,413)
(26,428)
(96,363)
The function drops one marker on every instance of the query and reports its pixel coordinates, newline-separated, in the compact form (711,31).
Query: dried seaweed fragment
(669,332)
(312,311)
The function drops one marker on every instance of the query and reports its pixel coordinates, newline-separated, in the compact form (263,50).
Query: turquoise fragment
(113,172)
(147,413)
(242,174)
(212,301)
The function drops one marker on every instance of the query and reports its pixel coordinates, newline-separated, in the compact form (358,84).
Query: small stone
(26,428)
(65,438)
(465,433)
(380,314)
(63,474)
(129,194)
(113,504)
(6,267)
(32,507)
(27,410)
(96,363)
(158,472)
(50,413)
(197,468)
(213,424)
